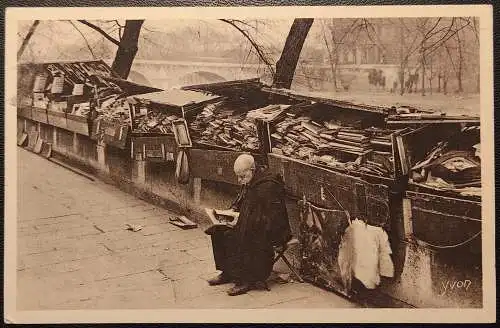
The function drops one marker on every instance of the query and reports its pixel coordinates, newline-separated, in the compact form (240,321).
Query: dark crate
(440,221)
(57,119)
(39,115)
(111,133)
(215,165)
(153,148)
(331,189)
(78,124)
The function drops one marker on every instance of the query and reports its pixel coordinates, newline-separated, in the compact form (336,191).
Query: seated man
(245,253)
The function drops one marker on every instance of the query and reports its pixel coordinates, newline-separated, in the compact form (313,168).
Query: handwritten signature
(455,285)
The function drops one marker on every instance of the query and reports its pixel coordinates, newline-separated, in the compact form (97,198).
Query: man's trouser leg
(220,241)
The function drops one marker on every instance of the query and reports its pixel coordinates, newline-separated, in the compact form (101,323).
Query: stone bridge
(174,74)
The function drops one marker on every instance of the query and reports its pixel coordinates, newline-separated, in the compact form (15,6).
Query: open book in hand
(222,217)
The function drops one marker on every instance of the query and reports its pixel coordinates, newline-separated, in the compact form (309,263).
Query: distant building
(365,51)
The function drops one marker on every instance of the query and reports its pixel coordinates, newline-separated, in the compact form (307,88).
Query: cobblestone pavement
(74,252)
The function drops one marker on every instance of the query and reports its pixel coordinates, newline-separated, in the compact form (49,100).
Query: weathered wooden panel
(215,165)
(39,115)
(57,119)
(327,189)
(87,148)
(162,148)
(24,111)
(65,140)
(445,222)
(119,163)
(78,124)
(20,124)
(46,132)
(31,125)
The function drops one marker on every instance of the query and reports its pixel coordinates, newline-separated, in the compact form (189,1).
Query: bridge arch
(139,78)
(199,77)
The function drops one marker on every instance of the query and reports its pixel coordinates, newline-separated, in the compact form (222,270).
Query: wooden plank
(444,121)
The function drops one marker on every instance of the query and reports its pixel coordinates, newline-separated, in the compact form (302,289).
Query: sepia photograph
(285,160)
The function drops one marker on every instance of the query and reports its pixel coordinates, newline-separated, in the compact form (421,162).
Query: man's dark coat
(262,224)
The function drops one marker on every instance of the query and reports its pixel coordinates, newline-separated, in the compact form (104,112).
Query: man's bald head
(244,162)
(244,167)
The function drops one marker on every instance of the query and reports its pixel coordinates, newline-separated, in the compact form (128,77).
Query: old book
(222,217)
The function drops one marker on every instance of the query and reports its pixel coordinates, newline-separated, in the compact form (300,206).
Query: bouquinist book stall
(112,120)
(158,117)
(232,125)
(60,94)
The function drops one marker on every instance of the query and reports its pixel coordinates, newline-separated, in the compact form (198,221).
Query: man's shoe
(219,280)
(239,290)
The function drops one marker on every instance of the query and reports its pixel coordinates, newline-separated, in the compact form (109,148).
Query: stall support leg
(197,190)
(140,169)
(76,143)
(39,127)
(101,156)
(25,126)
(54,138)
(408,227)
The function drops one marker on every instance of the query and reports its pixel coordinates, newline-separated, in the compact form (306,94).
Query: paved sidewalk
(74,252)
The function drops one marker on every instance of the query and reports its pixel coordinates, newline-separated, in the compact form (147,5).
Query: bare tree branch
(376,42)
(445,38)
(27,38)
(257,48)
(432,29)
(475,28)
(100,30)
(84,38)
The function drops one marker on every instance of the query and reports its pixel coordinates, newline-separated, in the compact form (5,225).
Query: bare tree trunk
(431,76)
(334,72)
(402,62)
(307,75)
(287,64)
(439,82)
(127,49)
(27,38)
(402,79)
(460,64)
(423,74)
(333,63)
